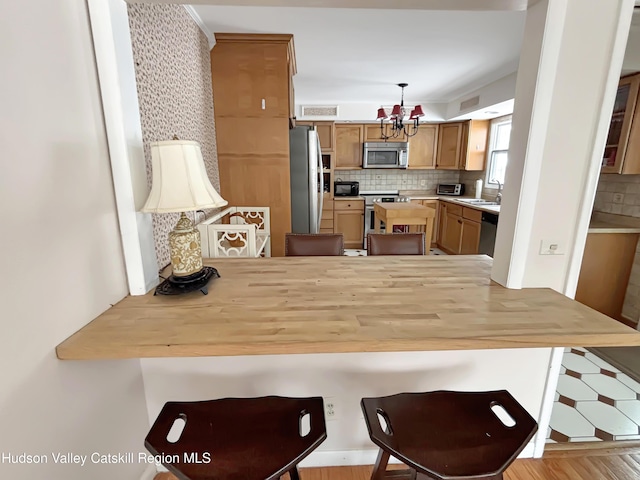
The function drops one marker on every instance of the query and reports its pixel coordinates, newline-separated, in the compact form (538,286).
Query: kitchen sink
(477,201)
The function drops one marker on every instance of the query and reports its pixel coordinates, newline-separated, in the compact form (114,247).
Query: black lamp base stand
(197,281)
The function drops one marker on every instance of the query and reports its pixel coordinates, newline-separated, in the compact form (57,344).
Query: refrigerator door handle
(313,181)
(321,175)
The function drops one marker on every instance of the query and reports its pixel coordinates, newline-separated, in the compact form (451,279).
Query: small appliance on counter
(453,189)
(346,189)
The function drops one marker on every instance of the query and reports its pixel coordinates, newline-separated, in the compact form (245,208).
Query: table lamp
(180,184)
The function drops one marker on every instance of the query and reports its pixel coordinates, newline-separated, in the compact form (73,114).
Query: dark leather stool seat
(396,244)
(313,244)
(245,438)
(447,435)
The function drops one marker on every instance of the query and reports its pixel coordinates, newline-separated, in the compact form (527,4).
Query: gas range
(388,196)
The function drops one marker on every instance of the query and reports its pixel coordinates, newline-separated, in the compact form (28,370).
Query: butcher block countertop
(295,305)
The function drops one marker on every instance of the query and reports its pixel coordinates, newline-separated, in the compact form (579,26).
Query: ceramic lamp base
(197,281)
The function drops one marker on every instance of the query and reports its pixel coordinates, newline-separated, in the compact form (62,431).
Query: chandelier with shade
(398,127)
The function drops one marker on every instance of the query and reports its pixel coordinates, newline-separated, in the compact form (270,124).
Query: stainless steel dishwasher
(488,233)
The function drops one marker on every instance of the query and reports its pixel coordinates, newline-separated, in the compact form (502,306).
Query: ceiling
(359,55)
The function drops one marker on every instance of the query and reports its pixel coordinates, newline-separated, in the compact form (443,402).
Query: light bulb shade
(179,179)
(396,111)
(412,115)
(417,111)
(381,114)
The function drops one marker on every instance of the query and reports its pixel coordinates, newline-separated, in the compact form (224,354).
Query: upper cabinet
(622,150)
(326,133)
(349,139)
(462,145)
(449,146)
(422,147)
(373,133)
(259,70)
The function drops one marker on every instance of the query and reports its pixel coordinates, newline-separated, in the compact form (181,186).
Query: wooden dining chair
(313,244)
(447,435)
(238,438)
(396,244)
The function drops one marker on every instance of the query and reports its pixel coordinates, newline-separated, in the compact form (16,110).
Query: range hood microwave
(386,155)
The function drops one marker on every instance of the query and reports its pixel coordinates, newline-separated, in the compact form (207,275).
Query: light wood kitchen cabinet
(605,271)
(622,150)
(459,229)
(462,145)
(252,75)
(372,133)
(348,152)
(326,220)
(252,92)
(452,232)
(422,147)
(449,146)
(469,237)
(348,219)
(326,133)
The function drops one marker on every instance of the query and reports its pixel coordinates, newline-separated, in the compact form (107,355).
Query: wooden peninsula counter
(299,305)
(346,328)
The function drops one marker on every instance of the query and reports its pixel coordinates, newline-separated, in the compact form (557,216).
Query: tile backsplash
(628,200)
(393,179)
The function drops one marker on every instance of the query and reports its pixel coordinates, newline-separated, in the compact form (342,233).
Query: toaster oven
(453,189)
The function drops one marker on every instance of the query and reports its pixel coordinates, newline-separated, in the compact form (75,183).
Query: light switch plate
(618,198)
(551,247)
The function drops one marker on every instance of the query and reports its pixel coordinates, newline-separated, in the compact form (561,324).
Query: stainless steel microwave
(386,155)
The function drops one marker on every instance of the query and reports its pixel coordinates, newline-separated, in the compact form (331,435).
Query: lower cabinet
(348,219)
(470,237)
(459,229)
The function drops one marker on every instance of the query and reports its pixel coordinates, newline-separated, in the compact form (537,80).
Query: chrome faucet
(499,195)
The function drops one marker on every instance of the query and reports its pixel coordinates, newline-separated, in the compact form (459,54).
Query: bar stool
(238,438)
(447,435)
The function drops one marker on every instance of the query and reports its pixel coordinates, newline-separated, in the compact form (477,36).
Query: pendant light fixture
(398,128)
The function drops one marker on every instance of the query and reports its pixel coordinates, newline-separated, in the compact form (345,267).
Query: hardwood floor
(554,466)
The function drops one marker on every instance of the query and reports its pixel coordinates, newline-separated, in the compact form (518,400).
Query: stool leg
(381,465)
(293,474)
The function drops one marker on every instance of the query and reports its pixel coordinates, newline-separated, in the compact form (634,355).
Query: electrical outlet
(551,247)
(330,410)
(618,198)
(423,183)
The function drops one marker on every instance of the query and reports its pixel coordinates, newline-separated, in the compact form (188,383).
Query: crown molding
(196,18)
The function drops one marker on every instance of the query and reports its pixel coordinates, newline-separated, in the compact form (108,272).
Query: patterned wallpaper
(173,75)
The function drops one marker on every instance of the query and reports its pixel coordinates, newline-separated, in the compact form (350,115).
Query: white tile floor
(594,401)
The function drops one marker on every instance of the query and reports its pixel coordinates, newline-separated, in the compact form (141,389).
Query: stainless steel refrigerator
(307,180)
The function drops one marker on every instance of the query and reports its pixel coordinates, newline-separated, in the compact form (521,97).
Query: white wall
(345,379)
(497,92)
(62,258)
(564,96)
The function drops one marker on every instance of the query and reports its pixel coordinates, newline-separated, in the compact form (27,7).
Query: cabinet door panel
(452,233)
(325,134)
(422,147)
(470,237)
(349,146)
(254,72)
(449,146)
(351,224)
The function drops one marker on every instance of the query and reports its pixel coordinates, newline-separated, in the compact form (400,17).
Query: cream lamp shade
(179,179)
